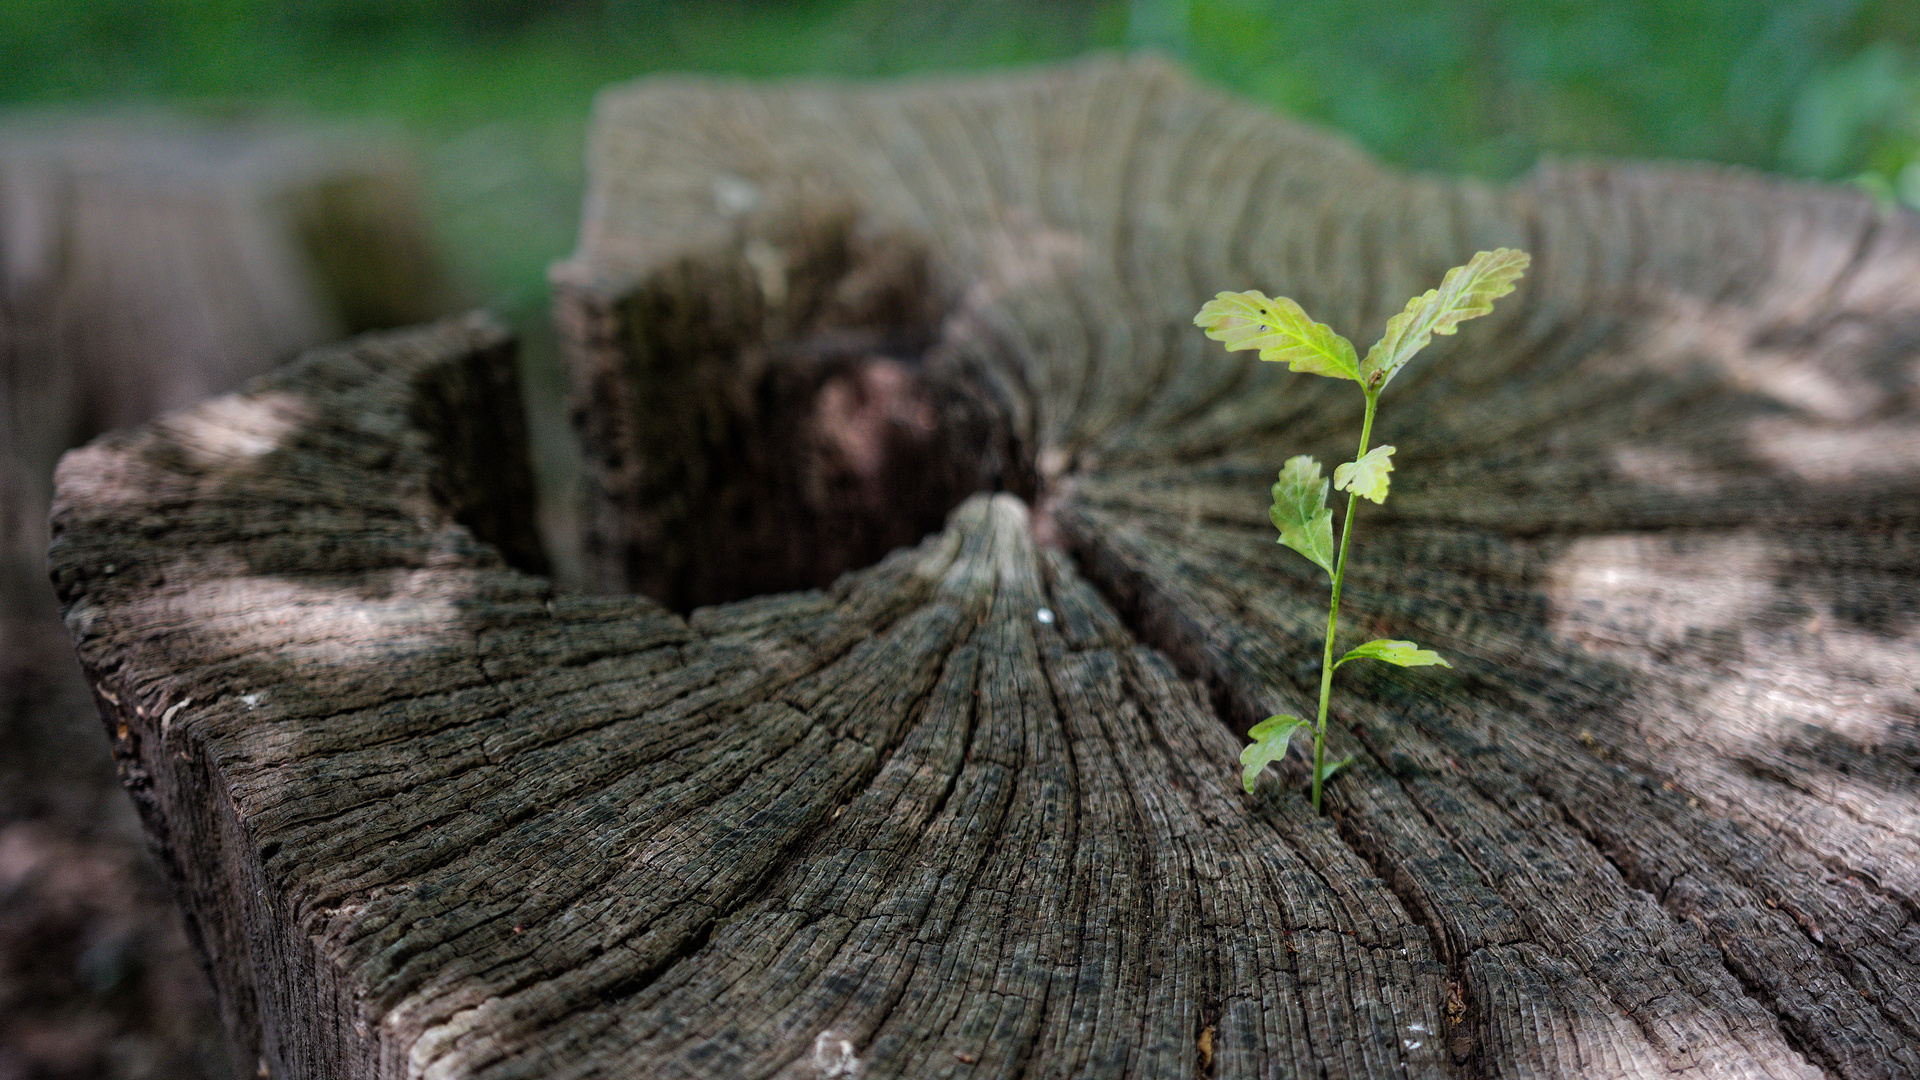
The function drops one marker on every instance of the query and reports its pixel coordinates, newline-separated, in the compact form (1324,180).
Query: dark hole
(775,412)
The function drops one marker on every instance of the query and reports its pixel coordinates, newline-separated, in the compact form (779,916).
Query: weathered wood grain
(973,810)
(948,810)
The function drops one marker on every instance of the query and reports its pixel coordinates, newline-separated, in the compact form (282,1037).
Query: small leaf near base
(1334,767)
(1270,738)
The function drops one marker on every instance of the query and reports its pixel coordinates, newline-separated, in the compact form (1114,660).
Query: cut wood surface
(973,810)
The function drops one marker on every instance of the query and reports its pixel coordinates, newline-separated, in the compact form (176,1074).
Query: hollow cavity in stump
(782,409)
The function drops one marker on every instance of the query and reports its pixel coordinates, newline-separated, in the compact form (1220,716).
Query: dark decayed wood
(974,810)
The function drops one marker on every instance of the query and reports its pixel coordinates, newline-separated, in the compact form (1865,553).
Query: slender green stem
(1333,611)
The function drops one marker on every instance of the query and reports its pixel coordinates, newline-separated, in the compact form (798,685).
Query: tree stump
(973,809)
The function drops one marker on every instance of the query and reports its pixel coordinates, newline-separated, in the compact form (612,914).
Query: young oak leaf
(1403,653)
(1269,744)
(1300,511)
(1466,292)
(1366,477)
(1281,330)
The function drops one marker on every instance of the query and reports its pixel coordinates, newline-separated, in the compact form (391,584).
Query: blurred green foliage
(1487,87)
(1819,87)
(498,90)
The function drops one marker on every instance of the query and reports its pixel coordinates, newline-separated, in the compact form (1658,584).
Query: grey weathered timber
(973,809)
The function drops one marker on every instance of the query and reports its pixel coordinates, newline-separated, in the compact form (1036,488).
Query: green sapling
(1282,331)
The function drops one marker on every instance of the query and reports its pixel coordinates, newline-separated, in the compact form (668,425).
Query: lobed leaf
(1366,477)
(1403,653)
(1270,738)
(1281,330)
(1300,511)
(1466,292)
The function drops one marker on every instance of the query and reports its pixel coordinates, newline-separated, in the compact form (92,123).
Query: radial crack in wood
(947,811)
(1643,499)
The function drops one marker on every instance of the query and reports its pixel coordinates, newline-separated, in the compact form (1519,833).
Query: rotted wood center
(777,409)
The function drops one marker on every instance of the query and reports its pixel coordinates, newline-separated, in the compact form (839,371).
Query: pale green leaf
(1366,477)
(1466,292)
(1300,511)
(1331,767)
(1403,653)
(1281,331)
(1270,738)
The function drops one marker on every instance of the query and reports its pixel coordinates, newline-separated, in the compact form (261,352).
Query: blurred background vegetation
(495,94)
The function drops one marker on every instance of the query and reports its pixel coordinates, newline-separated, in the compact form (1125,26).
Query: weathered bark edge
(456,381)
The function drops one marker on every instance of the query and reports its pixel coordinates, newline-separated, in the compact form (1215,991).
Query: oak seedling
(1282,331)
